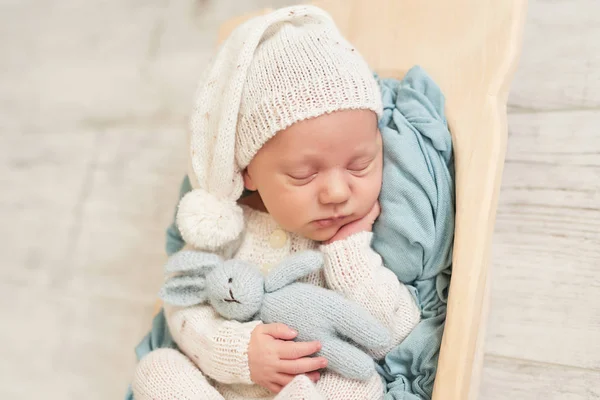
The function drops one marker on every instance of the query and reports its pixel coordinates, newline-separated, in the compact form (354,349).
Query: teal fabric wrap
(414,233)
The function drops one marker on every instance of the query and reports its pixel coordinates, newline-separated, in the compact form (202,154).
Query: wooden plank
(61,65)
(67,343)
(560,63)
(546,250)
(131,199)
(85,216)
(514,379)
(477,368)
(42,197)
(555,139)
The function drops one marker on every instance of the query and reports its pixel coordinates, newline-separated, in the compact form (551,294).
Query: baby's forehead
(306,149)
(340,136)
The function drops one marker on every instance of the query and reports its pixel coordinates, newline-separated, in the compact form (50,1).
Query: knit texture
(219,346)
(238,291)
(324,315)
(272,71)
(166,374)
(303,68)
(169,369)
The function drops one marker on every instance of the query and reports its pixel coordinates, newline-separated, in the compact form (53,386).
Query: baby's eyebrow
(362,157)
(299,168)
(314,160)
(303,160)
(366,151)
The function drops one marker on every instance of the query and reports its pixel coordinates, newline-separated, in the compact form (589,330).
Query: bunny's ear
(293,268)
(184,290)
(189,262)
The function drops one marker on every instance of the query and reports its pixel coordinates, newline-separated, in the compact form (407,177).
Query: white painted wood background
(93,104)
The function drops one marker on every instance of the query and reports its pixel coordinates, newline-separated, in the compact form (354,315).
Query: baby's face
(320,174)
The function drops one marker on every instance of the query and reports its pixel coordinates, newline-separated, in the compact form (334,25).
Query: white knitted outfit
(219,347)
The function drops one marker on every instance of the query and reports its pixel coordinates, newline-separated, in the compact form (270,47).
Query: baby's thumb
(280,331)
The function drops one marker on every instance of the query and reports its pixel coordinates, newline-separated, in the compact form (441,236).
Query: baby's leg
(333,387)
(300,388)
(166,374)
(344,357)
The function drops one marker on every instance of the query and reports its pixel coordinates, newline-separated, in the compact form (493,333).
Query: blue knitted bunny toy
(237,290)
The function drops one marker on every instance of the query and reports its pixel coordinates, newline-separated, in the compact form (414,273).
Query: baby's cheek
(296,201)
(372,187)
(289,212)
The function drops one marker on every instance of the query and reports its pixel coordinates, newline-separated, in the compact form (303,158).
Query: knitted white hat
(272,71)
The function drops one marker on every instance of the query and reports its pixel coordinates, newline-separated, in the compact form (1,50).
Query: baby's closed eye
(302,177)
(360,166)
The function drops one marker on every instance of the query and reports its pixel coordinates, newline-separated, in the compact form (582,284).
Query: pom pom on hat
(207,222)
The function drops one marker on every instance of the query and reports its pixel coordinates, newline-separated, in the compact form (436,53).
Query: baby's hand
(275,359)
(360,225)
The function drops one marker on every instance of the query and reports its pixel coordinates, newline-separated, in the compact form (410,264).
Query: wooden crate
(471,49)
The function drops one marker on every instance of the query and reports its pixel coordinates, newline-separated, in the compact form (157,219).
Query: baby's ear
(184,291)
(293,268)
(190,262)
(248,182)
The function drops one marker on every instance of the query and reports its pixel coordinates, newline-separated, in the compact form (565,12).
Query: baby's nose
(335,191)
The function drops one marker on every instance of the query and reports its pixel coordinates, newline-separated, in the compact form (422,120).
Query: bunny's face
(235,289)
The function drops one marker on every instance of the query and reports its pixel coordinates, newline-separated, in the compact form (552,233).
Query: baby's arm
(251,352)
(355,270)
(217,346)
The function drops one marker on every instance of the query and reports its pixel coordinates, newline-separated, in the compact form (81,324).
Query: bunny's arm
(293,268)
(218,347)
(355,270)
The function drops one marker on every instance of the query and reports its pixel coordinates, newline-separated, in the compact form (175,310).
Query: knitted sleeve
(219,347)
(355,270)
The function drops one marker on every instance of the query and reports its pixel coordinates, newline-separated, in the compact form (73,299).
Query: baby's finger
(374,212)
(302,365)
(274,387)
(294,350)
(283,379)
(314,376)
(279,331)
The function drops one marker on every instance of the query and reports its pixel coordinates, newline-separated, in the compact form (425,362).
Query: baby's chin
(321,235)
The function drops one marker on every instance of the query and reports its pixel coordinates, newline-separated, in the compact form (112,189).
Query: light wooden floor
(93,109)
